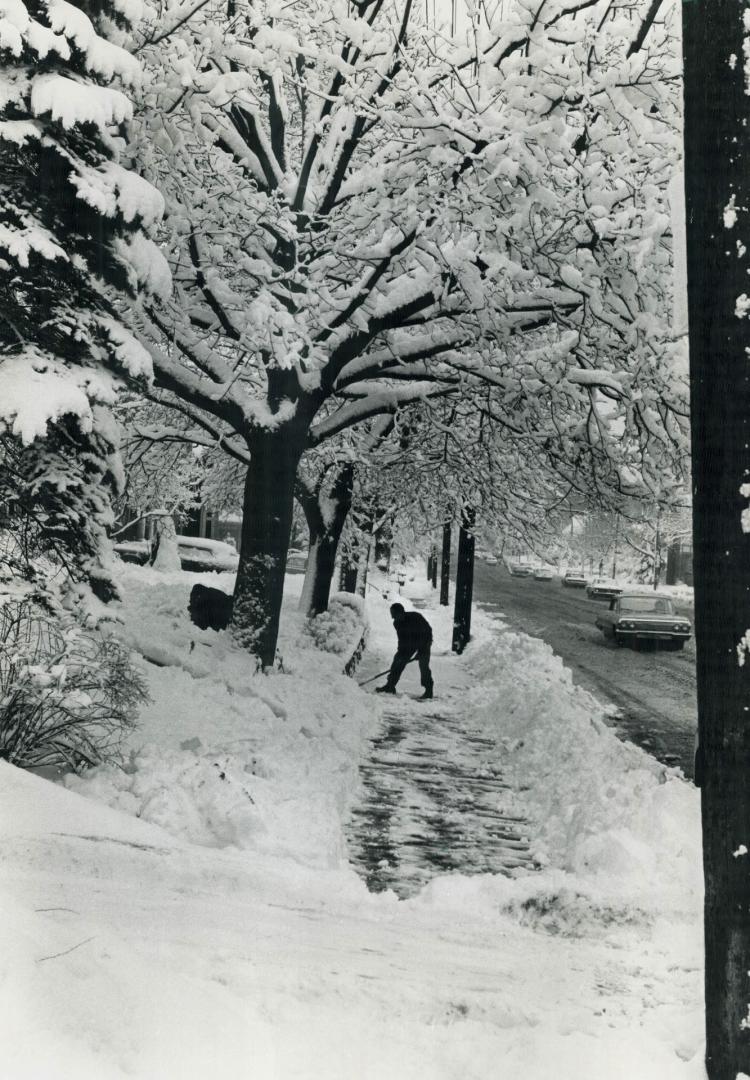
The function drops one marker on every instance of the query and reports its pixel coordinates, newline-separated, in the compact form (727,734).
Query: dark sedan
(643,617)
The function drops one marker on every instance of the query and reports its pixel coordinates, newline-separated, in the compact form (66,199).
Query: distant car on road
(574,579)
(543,573)
(520,570)
(490,560)
(644,617)
(603,589)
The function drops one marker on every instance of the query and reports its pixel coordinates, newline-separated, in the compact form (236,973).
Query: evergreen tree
(72,249)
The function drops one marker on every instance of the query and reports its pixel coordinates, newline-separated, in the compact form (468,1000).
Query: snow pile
(339,629)
(224,755)
(601,807)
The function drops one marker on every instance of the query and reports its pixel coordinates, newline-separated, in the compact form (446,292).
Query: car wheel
(618,639)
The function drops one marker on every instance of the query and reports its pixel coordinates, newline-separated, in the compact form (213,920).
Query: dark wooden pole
(445,565)
(717,185)
(434,574)
(464,581)
(349,567)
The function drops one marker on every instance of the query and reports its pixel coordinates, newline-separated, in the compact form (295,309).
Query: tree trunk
(383,541)
(717,182)
(445,565)
(464,581)
(433,575)
(165,556)
(325,513)
(362,568)
(266,527)
(349,566)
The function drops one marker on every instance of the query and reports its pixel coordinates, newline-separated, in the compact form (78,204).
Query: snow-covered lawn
(193,913)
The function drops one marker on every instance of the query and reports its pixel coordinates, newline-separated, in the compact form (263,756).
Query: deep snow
(193,913)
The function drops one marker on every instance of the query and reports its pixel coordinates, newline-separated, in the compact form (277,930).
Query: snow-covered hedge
(339,629)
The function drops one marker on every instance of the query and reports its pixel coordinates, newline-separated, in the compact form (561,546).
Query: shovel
(380,674)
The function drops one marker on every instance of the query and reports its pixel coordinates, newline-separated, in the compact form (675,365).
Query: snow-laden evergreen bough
(73,251)
(363,213)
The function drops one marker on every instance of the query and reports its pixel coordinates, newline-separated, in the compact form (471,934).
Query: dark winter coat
(414,632)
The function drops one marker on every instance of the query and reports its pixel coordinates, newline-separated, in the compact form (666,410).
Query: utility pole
(445,565)
(464,581)
(717,188)
(657,548)
(614,555)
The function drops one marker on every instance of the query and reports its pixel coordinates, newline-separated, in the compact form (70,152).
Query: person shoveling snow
(414,641)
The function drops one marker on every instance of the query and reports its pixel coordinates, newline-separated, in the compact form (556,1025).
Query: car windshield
(652,605)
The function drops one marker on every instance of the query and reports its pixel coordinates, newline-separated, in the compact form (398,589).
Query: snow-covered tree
(364,214)
(72,246)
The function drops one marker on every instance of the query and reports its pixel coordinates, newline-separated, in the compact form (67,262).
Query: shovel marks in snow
(433,803)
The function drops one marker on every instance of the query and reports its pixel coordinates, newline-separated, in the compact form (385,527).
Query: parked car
(196,553)
(644,617)
(490,560)
(574,579)
(603,589)
(520,570)
(543,573)
(296,561)
(133,551)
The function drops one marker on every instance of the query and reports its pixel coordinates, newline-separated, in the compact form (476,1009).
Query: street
(654,690)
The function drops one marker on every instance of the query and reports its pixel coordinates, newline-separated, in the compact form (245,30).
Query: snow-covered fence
(353,662)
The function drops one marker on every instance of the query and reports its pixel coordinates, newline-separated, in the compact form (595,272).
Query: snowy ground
(194,914)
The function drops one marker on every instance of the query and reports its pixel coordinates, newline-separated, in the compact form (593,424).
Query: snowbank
(224,755)
(601,806)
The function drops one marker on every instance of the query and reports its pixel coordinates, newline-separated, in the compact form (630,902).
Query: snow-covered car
(603,589)
(644,617)
(196,553)
(296,561)
(543,573)
(520,570)
(133,551)
(574,579)
(490,560)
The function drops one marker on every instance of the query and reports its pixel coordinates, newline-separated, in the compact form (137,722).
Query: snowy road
(654,691)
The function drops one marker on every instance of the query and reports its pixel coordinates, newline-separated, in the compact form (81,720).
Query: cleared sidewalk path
(434,799)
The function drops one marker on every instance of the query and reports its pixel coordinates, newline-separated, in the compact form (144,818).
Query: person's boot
(387,689)
(427,695)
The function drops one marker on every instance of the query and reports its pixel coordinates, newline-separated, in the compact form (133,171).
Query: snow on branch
(374,402)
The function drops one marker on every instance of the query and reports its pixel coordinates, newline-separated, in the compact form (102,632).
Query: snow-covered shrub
(67,696)
(338,629)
